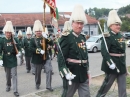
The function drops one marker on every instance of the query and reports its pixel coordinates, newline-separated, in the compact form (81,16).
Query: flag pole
(43,40)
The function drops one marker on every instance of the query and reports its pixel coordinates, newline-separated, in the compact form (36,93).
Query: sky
(26,6)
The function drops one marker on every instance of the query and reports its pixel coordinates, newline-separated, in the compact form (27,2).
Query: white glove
(1,62)
(112,66)
(44,35)
(69,76)
(72,76)
(42,52)
(19,54)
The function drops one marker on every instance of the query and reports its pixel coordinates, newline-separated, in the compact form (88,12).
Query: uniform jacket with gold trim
(75,48)
(116,45)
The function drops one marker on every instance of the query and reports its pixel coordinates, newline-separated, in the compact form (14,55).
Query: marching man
(8,58)
(37,44)
(28,53)
(114,57)
(73,57)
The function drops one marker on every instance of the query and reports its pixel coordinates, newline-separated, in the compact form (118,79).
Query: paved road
(26,82)
(95,60)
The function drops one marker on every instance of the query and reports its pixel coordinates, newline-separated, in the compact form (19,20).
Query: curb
(34,93)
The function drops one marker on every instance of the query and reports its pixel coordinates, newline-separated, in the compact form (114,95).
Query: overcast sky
(19,6)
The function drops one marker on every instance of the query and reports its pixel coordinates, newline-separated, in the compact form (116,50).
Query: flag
(53,8)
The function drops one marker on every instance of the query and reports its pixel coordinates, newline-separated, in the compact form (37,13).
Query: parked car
(126,35)
(94,43)
(128,43)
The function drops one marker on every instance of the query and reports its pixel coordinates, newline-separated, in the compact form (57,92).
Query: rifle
(14,44)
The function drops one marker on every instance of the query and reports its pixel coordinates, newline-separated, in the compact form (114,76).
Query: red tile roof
(128,15)
(27,19)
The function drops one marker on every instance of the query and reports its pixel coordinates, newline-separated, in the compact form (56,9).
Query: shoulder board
(106,34)
(66,33)
(49,39)
(83,34)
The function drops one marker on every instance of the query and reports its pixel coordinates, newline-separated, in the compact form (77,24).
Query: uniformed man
(20,39)
(73,60)
(114,59)
(36,46)
(8,57)
(28,53)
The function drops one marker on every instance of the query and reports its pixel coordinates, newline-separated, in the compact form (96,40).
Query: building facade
(23,20)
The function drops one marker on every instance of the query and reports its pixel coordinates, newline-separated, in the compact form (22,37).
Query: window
(91,32)
(86,32)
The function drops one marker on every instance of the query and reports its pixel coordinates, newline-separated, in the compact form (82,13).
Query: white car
(128,43)
(94,43)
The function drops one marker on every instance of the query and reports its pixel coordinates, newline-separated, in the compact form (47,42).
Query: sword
(70,82)
(107,47)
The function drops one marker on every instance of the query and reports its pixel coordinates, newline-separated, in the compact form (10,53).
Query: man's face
(115,27)
(38,33)
(19,36)
(28,35)
(77,27)
(8,34)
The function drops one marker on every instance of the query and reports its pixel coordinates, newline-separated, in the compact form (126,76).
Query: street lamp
(3,18)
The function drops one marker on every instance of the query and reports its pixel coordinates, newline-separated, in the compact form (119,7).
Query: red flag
(53,8)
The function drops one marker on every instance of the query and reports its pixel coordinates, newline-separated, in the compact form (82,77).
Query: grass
(128,79)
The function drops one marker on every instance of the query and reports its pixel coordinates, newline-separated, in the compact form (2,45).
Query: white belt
(117,55)
(76,61)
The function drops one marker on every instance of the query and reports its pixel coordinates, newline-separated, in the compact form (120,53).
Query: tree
(86,11)
(125,24)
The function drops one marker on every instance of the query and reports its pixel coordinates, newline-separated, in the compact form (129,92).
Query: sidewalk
(94,86)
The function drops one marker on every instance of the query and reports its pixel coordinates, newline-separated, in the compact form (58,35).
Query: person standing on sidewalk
(73,57)
(36,45)
(28,53)
(8,57)
(114,59)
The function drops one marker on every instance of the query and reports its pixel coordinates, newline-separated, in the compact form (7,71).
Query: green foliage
(97,12)
(125,24)
(124,10)
(101,12)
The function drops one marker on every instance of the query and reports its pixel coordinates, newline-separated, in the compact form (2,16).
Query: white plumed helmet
(78,15)
(19,33)
(67,26)
(8,27)
(29,31)
(37,26)
(113,18)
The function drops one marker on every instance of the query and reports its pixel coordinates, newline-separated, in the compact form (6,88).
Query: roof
(128,15)
(27,19)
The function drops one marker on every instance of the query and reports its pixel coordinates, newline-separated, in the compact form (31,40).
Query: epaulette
(66,33)
(83,34)
(106,34)
(49,39)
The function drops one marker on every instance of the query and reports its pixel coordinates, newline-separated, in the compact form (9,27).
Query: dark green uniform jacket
(37,58)
(116,44)
(75,48)
(7,52)
(21,45)
(28,52)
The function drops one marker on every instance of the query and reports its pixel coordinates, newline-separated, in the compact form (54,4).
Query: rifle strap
(35,42)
